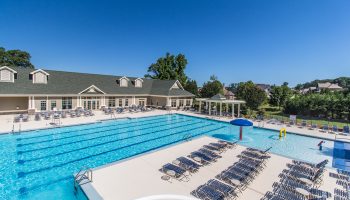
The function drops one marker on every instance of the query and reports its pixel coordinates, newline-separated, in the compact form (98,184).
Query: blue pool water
(40,164)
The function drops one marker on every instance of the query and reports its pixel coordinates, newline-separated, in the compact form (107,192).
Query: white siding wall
(6,75)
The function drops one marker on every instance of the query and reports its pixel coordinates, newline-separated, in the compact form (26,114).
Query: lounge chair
(72,114)
(47,116)
(229,145)
(212,148)
(207,193)
(325,128)
(321,164)
(17,119)
(25,118)
(303,124)
(346,130)
(64,114)
(56,116)
(209,153)
(313,127)
(219,145)
(201,158)
(186,164)
(174,171)
(37,117)
(334,129)
(225,189)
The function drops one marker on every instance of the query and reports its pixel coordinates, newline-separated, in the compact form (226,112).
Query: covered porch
(214,105)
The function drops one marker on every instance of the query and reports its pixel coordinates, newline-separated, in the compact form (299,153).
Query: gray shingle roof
(60,82)
(218,97)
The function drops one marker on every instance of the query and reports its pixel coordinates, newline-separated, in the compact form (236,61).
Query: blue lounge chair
(189,162)
(334,129)
(225,189)
(325,128)
(209,153)
(212,148)
(207,193)
(346,130)
(179,172)
(203,156)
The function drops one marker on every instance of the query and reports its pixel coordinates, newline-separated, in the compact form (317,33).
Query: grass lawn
(274,112)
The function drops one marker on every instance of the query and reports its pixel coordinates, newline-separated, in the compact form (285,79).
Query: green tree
(251,94)
(169,67)
(279,95)
(212,87)
(192,87)
(16,58)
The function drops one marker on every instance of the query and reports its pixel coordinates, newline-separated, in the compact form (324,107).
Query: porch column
(191,102)
(209,108)
(220,108)
(47,103)
(33,102)
(233,110)
(133,100)
(177,103)
(239,110)
(227,107)
(168,102)
(29,102)
(200,105)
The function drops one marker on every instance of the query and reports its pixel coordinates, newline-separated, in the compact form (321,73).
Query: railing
(82,177)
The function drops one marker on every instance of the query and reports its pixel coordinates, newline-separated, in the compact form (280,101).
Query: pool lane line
(100,136)
(27,189)
(82,134)
(107,142)
(84,129)
(22,174)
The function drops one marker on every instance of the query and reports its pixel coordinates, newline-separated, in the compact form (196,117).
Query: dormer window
(123,81)
(138,82)
(7,74)
(39,76)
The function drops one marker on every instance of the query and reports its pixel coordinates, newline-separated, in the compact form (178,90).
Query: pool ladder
(187,137)
(82,177)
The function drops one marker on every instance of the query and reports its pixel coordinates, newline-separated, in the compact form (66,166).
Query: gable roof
(218,97)
(8,68)
(72,83)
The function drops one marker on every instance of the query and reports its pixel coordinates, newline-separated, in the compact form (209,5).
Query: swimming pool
(40,164)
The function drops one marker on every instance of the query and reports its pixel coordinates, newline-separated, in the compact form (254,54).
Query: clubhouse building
(34,90)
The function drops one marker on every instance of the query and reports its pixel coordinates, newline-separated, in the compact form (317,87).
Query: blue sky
(268,41)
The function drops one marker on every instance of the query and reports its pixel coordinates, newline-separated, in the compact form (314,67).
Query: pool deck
(6,123)
(140,176)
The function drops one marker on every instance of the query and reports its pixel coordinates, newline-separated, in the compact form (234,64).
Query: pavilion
(220,99)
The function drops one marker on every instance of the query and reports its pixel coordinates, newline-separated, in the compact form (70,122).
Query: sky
(269,41)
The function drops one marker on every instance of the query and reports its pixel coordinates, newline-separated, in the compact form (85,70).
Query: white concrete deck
(140,177)
(6,121)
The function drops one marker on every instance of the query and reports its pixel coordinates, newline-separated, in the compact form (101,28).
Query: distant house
(308,90)
(329,86)
(265,87)
(228,94)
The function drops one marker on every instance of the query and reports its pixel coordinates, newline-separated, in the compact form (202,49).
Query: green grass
(275,112)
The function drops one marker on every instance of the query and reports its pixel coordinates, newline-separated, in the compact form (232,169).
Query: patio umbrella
(241,122)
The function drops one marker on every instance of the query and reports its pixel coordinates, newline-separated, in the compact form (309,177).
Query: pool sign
(293,117)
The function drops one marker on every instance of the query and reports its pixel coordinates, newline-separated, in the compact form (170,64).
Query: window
(126,102)
(111,102)
(120,102)
(66,103)
(53,105)
(42,105)
(138,83)
(188,102)
(173,103)
(181,103)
